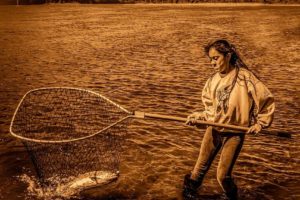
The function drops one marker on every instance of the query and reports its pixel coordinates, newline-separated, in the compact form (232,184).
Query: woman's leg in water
(210,146)
(230,151)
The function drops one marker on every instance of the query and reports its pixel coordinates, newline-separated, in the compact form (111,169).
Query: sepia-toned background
(150,58)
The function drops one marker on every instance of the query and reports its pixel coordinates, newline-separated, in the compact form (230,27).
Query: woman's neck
(229,69)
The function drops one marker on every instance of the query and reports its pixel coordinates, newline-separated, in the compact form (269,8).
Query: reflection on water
(150,58)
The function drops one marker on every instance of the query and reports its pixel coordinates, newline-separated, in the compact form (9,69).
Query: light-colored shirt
(249,97)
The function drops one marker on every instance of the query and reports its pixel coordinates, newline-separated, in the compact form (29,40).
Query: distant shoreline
(205,4)
(221,4)
(176,4)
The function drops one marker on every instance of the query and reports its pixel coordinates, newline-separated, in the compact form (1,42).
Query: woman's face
(219,62)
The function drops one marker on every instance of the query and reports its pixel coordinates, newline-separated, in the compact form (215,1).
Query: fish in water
(87,181)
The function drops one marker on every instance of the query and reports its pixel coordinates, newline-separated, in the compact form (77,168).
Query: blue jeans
(230,145)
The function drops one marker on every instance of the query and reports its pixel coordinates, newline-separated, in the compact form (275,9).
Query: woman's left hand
(256,128)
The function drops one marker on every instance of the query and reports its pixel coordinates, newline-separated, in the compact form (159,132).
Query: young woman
(233,95)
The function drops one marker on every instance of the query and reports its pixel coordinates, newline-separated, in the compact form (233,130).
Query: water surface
(150,58)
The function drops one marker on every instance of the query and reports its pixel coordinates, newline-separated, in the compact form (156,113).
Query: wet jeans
(230,145)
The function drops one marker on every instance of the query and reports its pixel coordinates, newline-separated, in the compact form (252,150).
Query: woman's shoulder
(247,77)
(212,77)
(247,74)
(244,72)
(209,81)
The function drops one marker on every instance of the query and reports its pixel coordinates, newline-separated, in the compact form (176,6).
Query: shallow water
(150,58)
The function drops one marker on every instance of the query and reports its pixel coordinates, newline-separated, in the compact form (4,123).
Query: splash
(67,188)
(36,190)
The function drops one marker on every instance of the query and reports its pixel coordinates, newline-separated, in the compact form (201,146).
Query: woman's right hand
(192,118)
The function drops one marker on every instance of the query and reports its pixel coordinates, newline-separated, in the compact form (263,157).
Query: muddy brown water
(150,58)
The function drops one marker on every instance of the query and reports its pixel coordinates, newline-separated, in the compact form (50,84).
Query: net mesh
(62,114)
(71,115)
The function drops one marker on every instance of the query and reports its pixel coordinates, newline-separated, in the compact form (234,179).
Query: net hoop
(70,140)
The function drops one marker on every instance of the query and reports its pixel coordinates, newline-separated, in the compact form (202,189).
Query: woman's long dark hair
(224,47)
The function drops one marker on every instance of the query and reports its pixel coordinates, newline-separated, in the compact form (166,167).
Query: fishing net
(69,132)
